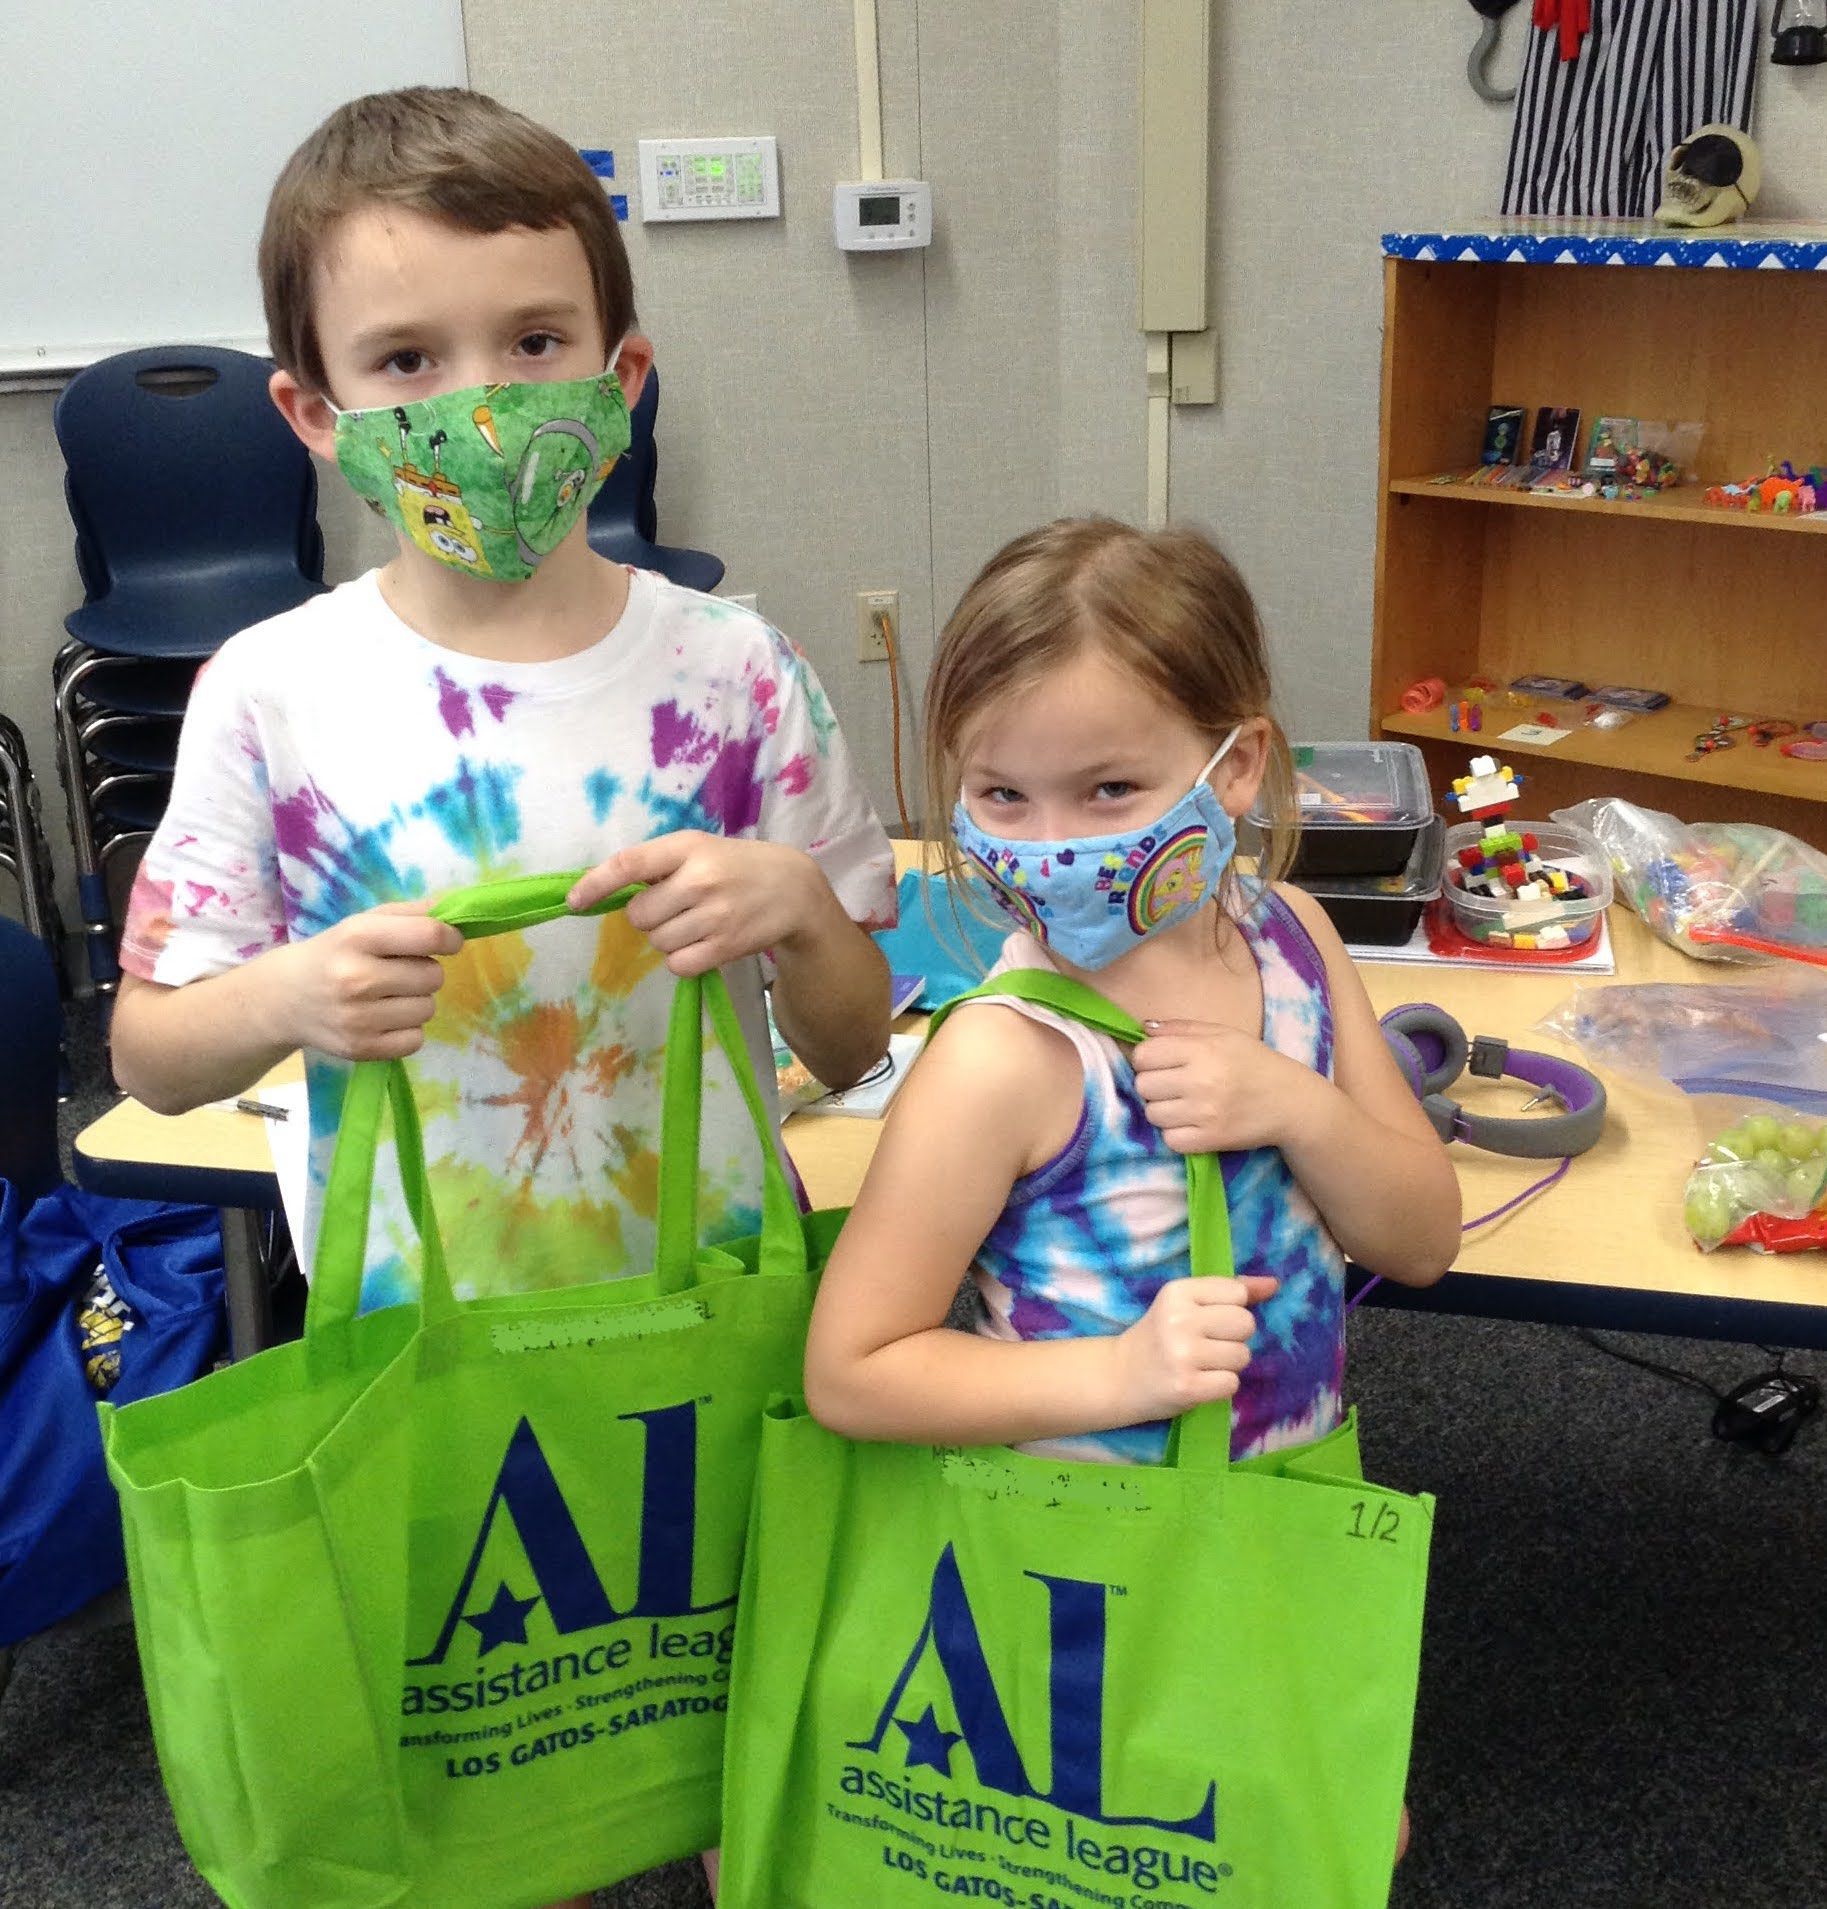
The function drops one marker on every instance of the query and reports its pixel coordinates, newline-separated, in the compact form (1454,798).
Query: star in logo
(504,1622)
(928,1747)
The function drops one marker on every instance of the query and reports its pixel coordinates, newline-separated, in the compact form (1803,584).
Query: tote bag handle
(378,1087)
(1200,1440)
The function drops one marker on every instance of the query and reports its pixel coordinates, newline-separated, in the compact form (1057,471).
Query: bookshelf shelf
(1722,610)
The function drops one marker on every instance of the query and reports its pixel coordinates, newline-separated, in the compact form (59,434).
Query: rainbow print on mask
(1094,899)
(1170,880)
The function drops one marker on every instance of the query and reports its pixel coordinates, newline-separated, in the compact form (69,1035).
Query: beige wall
(831,424)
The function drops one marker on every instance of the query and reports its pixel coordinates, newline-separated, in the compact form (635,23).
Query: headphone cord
(1484,1219)
(1767,1410)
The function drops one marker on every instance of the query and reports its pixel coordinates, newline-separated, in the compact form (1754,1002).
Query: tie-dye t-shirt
(333,759)
(1086,1241)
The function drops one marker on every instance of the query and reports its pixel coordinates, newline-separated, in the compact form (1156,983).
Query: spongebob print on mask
(492,478)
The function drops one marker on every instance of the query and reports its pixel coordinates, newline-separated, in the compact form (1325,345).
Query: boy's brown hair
(1165,605)
(441,150)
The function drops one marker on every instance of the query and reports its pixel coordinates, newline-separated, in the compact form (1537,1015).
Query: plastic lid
(1358,784)
(1420,881)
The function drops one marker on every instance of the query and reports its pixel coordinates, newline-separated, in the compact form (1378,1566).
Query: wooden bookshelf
(1682,506)
(1723,610)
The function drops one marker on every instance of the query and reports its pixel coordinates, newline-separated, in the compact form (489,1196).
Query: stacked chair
(624,519)
(195,512)
(24,854)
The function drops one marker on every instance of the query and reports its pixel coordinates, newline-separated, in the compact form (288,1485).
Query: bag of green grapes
(1761,1179)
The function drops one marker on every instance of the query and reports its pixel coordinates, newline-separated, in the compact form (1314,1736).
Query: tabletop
(1606,1246)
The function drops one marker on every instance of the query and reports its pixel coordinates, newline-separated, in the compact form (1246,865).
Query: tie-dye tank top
(1086,1241)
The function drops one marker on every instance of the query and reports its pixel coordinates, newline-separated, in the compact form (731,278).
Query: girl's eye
(1115,791)
(406,363)
(540,344)
(1002,795)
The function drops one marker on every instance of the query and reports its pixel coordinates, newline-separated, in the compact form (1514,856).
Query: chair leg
(32,871)
(91,884)
(18,805)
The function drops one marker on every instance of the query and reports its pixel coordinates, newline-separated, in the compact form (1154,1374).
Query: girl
(1101,690)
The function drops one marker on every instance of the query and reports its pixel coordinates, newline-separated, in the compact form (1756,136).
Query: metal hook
(1476,68)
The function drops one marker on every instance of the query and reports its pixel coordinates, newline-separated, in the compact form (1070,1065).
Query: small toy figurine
(1710,178)
(1505,866)
(1488,790)
(1782,490)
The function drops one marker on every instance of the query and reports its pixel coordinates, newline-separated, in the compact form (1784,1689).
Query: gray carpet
(1621,1698)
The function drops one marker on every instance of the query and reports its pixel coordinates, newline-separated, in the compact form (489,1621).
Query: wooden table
(1606,1247)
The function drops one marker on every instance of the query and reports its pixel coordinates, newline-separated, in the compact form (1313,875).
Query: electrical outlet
(871,606)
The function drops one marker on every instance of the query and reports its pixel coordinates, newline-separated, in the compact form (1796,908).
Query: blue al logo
(1077,1617)
(527,1504)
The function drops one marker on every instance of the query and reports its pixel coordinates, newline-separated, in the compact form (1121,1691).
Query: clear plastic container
(1381,911)
(1362,807)
(1545,920)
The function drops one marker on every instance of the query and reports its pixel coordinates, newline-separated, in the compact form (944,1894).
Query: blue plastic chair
(195,513)
(23,849)
(31,1038)
(194,505)
(624,519)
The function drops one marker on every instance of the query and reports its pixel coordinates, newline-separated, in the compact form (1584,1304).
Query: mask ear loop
(1218,755)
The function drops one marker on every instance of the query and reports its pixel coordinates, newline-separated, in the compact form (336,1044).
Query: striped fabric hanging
(1592,130)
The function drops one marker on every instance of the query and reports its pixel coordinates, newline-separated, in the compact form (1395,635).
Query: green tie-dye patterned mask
(491,478)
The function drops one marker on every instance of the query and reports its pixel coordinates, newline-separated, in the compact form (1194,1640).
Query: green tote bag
(435,1606)
(985,1674)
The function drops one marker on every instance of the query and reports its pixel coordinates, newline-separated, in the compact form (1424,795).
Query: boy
(445,284)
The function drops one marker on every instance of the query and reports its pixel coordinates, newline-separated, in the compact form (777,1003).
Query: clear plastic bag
(1720,891)
(1641,454)
(1763,1037)
(1761,1182)
(1752,1057)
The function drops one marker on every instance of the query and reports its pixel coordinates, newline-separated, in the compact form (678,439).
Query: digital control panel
(882,215)
(710,179)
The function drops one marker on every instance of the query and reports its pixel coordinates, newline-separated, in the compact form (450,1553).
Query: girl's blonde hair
(1165,605)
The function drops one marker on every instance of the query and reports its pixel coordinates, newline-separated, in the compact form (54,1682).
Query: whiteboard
(141,139)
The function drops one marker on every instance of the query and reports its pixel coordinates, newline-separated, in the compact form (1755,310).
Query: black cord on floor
(1648,1365)
(1767,1410)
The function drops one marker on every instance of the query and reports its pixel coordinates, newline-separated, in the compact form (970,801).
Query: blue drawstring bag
(99,1299)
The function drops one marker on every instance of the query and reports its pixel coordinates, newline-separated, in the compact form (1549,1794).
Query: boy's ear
(311,419)
(632,366)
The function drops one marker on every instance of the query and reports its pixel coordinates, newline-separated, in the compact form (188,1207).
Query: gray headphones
(1432,1051)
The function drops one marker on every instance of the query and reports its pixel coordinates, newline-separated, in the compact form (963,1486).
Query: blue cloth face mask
(1095,899)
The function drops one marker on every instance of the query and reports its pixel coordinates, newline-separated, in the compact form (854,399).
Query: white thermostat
(710,179)
(882,215)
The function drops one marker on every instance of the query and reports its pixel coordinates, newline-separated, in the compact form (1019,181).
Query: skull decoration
(1710,179)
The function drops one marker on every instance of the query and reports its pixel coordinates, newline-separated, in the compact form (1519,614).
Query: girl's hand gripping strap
(1202,1438)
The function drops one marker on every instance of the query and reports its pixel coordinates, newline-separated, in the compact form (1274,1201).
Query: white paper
(869,1100)
(1416,952)
(1539,734)
(289,1140)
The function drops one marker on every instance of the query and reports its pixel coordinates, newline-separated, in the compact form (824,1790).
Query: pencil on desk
(1340,808)
(264,1108)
